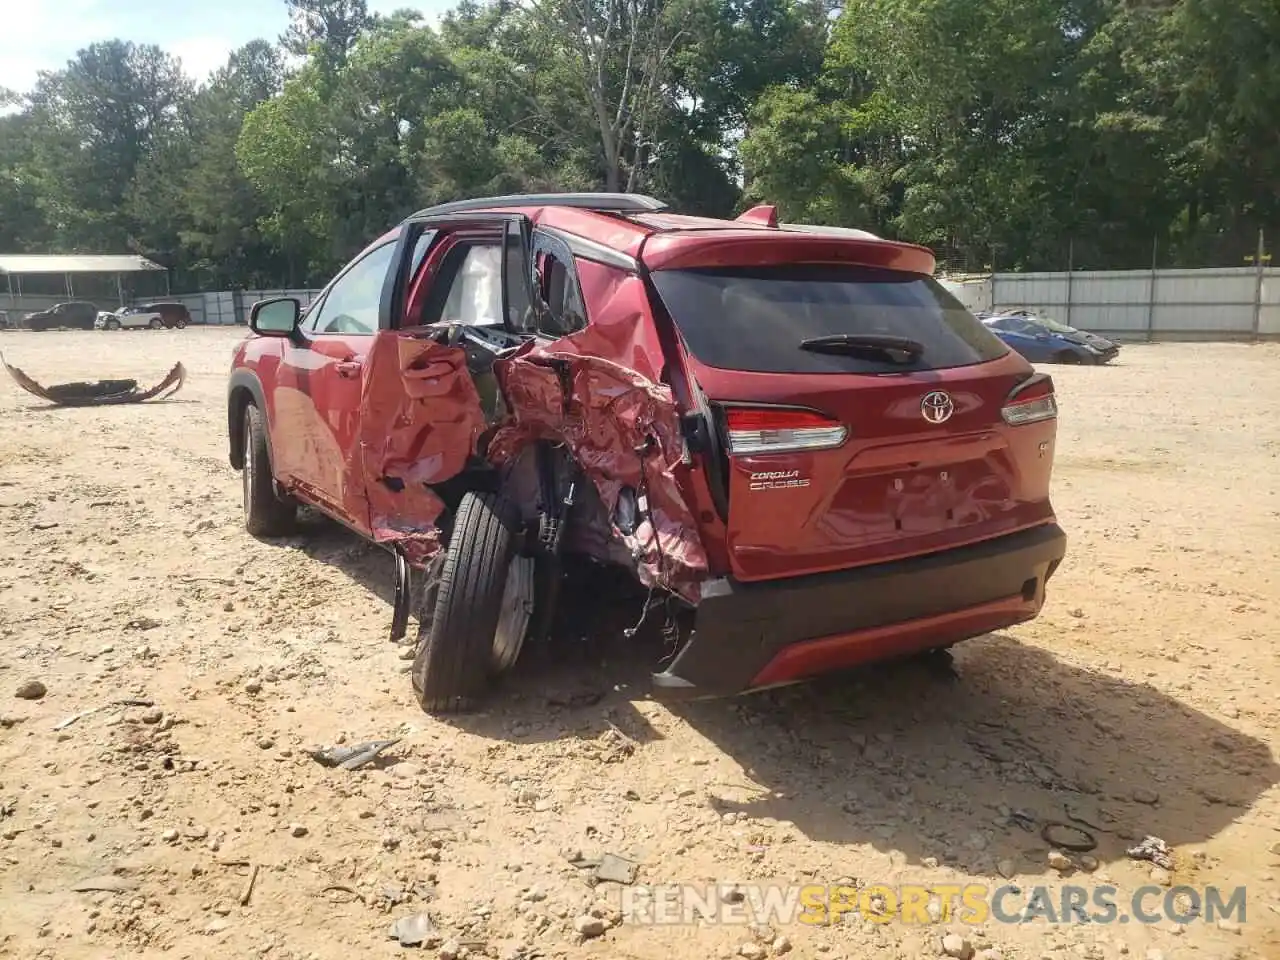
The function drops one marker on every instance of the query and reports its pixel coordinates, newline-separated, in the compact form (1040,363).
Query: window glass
(565,313)
(755,318)
(351,306)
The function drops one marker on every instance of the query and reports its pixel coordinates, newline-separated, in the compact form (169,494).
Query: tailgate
(842,456)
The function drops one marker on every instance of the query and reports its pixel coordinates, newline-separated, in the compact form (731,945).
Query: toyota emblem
(937,407)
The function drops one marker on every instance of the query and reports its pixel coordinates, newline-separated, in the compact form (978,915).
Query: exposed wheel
(482,603)
(1066,356)
(180,324)
(265,514)
(111,325)
(155,323)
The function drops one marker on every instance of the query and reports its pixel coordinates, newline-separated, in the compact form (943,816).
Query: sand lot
(1143,701)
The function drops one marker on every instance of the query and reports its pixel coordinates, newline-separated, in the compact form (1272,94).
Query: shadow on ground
(963,759)
(966,765)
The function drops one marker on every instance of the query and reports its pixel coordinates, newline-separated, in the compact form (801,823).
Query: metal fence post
(1151,289)
(1257,285)
(1071,273)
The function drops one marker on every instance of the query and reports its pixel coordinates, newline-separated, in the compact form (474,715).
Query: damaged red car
(791,435)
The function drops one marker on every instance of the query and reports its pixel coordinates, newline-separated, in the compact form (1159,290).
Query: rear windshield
(755,318)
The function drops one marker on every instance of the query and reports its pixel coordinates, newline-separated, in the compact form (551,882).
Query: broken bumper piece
(750,636)
(98,393)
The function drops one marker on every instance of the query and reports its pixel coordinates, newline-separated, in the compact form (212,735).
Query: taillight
(1031,401)
(756,430)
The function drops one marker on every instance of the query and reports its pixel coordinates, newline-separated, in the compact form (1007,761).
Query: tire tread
(265,515)
(452,666)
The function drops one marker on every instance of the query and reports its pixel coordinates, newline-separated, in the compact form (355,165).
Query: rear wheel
(265,514)
(155,323)
(180,323)
(1066,356)
(475,619)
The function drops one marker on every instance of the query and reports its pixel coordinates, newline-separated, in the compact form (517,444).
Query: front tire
(265,514)
(1066,356)
(482,606)
(111,325)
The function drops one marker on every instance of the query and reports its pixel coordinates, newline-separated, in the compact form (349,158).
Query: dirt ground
(1143,701)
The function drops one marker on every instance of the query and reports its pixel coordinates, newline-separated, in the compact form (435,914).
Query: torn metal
(100,392)
(439,402)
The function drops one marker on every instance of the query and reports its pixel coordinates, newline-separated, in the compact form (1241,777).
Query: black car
(75,314)
(1043,340)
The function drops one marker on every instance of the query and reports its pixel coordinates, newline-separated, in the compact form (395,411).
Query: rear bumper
(749,636)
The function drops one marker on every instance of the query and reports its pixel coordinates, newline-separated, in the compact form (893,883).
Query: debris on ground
(247,892)
(353,757)
(615,869)
(1067,836)
(77,717)
(1153,849)
(106,884)
(412,931)
(98,392)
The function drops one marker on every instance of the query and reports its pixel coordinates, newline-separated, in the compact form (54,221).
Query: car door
(430,392)
(322,374)
(317,395)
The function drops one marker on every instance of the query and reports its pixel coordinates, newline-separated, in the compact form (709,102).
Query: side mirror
(275,318)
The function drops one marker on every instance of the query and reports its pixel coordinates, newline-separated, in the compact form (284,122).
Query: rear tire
(181,324)
(265,514)
(155,323)
(459,651)
(1066,356)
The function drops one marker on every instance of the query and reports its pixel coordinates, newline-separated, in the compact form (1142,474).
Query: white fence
(223,307)
(1233,303)
(233,306)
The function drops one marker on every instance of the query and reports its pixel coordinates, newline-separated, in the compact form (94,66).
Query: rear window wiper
(897,349)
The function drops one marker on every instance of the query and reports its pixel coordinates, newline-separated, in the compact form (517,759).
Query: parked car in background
(4,320)
(1043,340)
(152,315)
(75,314)
(814,452)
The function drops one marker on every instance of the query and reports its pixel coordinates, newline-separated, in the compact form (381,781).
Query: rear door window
(755,319)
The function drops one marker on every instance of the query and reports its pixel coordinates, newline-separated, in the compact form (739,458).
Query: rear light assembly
(762,430)
(1031,401)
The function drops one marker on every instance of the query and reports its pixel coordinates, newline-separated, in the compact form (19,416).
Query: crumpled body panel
(98,393)
(624,431)
(595,391)
(421,420)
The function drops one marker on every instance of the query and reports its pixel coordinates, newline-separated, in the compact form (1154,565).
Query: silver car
(145,315)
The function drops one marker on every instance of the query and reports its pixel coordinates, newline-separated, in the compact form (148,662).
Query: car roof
(643,229)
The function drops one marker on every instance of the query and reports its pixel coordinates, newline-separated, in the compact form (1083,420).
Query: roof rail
(601,202)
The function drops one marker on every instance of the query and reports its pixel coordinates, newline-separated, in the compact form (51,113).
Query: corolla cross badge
(937,407)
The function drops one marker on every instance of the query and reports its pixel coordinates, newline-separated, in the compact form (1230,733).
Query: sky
(40,35)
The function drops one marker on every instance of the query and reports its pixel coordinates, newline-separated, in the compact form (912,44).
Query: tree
(93,125)
(327,28)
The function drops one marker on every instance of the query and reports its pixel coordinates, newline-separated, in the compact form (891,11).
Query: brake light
(1031,401)
(756,430)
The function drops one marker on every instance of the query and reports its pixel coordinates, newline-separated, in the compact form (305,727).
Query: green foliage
(994,130)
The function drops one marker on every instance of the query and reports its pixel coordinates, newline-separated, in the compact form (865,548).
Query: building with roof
(30,282)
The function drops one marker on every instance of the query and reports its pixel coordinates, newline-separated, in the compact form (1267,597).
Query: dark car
(1042,340)
(75,314)
(807,453)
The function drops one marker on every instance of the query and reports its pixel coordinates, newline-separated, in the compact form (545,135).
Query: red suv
(809,453)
